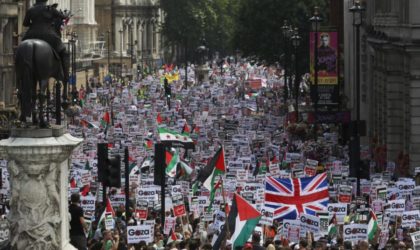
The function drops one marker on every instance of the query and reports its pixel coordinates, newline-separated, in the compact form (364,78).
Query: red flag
(109,208)
(131,159)
(218,184)
(159,119)
(107,117)
(85,190)
(73,183)
(149,143)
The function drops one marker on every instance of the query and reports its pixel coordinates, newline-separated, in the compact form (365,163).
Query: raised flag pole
(127,184)
(226,214)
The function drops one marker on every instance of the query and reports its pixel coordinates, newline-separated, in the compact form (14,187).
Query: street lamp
(296,43)
(357,11)
(121,49)
(315,20)
(287,33)
(73,36)
(108,32)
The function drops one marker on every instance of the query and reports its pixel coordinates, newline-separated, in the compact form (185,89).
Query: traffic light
(160,165)
(109,170)
(102,161)
(114,172)
(168,91)
(74,96)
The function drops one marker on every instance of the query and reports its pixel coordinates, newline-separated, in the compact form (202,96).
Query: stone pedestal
(38,161)
(202,74)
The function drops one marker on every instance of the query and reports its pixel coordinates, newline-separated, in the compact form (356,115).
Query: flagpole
(226,214)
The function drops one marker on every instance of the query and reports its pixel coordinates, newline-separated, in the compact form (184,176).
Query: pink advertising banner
(327,58)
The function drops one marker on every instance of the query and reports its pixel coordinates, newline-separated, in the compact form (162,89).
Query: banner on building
(327,66)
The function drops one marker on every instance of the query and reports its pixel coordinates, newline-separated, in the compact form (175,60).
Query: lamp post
(201,52)
(296,43)
(286,42)
(108,32)
(121,49)
(357,11)
(315,20)
(186,64)
(73,36)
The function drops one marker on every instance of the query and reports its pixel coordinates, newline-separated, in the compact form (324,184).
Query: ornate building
(11,17)
(390,79)
(134,30)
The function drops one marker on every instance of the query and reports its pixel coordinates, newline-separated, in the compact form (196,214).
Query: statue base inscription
(38,162)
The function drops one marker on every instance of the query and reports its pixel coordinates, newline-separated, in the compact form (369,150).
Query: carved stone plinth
(38,161)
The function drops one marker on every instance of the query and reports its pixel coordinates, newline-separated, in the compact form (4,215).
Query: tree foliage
(187,21)
(258,26)
(253,26)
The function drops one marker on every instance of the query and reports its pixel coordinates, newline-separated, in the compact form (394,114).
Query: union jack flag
(294,196)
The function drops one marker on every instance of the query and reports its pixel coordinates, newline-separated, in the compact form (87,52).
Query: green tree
(258,26)
(187,21)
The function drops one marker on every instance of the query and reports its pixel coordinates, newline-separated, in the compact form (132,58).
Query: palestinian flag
(332,226)
(242,220)
(108,209)
(87,124)
(166,135)
(106,120)
(172,161)
(172,237)
(208,175)
(73,183)
(85,190)
(148,144)
(372,226)
(183,170)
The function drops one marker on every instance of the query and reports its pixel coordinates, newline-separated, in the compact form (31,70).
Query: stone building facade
(11,17)
(134,25)
(390,79)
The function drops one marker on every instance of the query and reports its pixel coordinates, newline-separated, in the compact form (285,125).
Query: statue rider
(43,21)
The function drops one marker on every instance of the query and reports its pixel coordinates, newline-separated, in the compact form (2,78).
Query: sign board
(355,233)
(135,234)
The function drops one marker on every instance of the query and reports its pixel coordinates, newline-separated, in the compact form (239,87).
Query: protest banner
(88,205)
(169,224)
(117,200)
(344,194)
(340,211)
(309,223)
(287,223)
(178,205)
(415,237)
(109,221)
(396,207)
(293,233)
(138,233)
(355,232)
(267,216)
(409,219)
(383,238)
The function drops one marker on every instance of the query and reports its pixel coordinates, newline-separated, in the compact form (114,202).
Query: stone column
(38,161)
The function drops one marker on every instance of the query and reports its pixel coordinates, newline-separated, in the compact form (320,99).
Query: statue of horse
(36,62)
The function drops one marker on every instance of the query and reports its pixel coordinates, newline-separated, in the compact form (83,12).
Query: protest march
(226,164)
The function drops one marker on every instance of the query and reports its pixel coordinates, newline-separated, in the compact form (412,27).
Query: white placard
(135,234)
(355,232)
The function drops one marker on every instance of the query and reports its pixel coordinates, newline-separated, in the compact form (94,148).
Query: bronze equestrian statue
(39,56)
